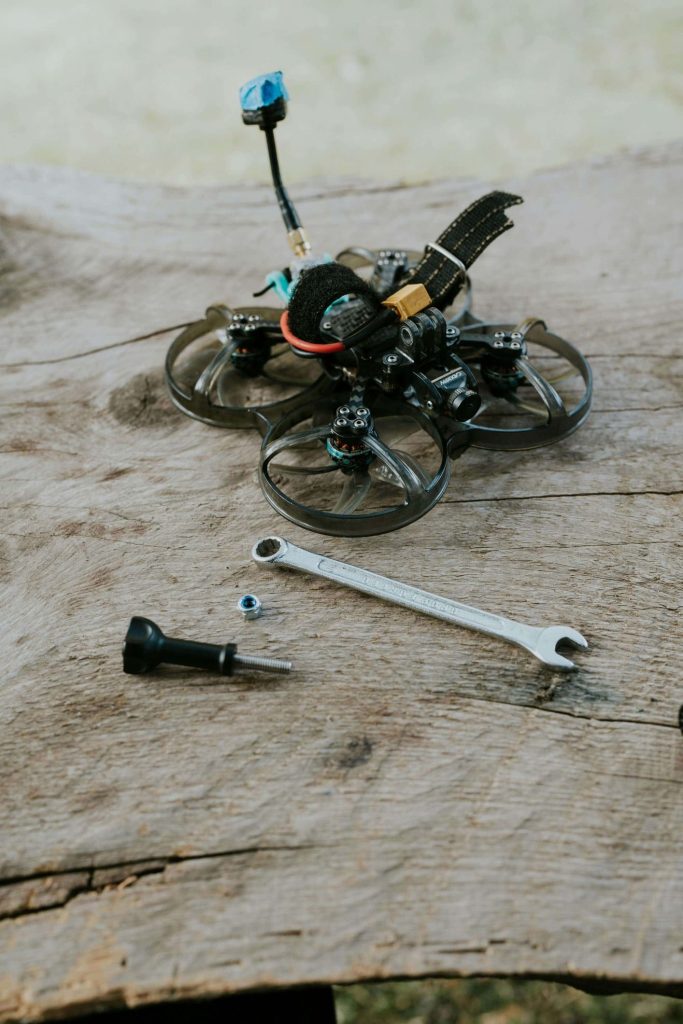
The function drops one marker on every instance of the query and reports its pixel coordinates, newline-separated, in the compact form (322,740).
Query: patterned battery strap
(443,267)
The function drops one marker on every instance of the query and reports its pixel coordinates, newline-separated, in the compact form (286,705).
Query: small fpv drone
(368,383)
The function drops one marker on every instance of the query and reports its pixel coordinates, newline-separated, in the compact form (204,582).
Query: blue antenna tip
(263,91)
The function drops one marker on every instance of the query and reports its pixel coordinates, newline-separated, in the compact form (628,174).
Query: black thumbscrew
(145,647)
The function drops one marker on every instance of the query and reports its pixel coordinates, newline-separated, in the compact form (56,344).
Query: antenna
(264,102)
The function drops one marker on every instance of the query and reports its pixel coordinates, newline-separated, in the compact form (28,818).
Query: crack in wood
(555,710)
(446,500)
(89,886)
(96,351)
(136,867)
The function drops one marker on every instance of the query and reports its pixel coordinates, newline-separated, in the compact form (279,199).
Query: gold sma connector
(298,241)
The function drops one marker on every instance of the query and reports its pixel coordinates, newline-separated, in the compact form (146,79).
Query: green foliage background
(497,1001)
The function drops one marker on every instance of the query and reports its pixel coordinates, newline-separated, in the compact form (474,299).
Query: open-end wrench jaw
(547,641)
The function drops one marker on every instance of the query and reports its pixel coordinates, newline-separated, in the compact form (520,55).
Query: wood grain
(414,799)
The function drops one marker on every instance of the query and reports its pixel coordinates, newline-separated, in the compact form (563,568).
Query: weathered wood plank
(415,799)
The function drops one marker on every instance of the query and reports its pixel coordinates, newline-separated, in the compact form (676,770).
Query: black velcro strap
(466,238)
(318,288)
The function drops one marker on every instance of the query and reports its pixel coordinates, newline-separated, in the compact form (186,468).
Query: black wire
(257,295)
(287,208)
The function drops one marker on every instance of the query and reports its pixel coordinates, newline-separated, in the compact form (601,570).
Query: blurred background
(392,90)
(388,89)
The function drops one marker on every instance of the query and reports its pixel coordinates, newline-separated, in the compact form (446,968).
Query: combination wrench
(541,642)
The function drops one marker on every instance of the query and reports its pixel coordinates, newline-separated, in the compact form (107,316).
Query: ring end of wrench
(268,550)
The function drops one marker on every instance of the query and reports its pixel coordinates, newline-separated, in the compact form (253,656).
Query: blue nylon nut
(250,606)
(263,91)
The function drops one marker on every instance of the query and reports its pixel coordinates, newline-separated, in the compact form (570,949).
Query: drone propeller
(354,491)
(505,368)
(352,481)
(234,369)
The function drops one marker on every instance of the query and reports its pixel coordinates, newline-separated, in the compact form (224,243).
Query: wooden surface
(415,799)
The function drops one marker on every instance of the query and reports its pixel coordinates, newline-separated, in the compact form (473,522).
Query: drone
(373,375)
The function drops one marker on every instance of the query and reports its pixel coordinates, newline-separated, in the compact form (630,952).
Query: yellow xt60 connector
(408,300)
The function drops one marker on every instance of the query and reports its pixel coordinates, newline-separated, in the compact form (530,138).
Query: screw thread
(262,664)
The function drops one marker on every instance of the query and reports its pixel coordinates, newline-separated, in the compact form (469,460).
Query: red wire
(319,348)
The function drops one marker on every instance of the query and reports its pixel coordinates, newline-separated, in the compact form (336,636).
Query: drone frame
(366,375)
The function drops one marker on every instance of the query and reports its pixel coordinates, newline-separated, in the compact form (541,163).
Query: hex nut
(250,606)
